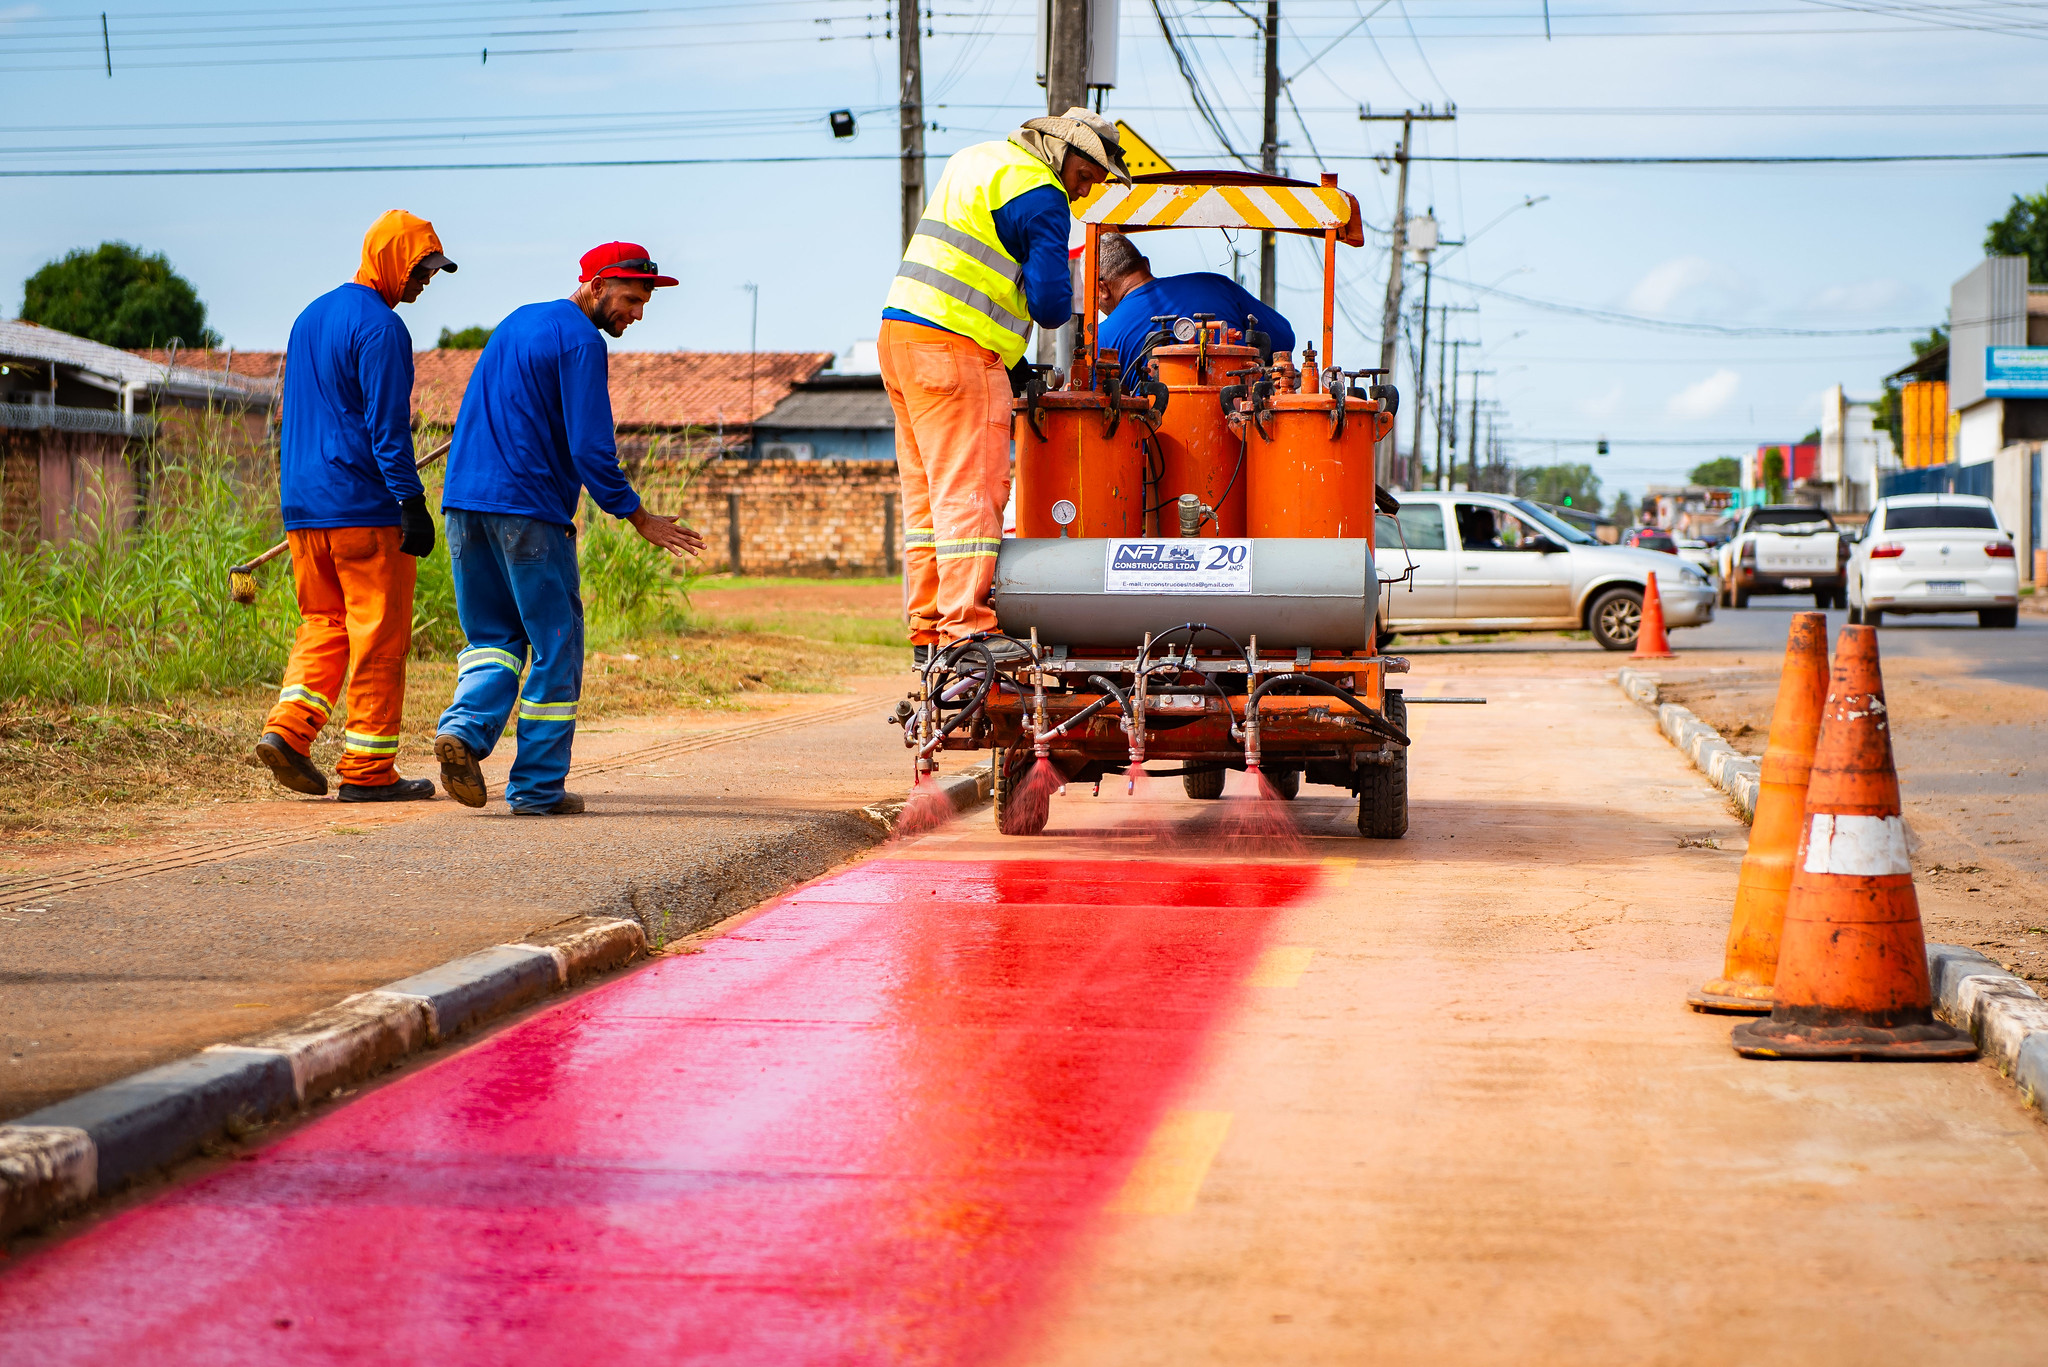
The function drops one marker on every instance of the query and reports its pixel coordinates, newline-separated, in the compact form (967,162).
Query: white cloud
(1705,398)
(1602,406)
(1704,284)
(1861,297)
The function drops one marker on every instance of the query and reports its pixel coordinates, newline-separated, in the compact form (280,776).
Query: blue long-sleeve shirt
(345,448)
(1183,296)
(1033,229)
(536,422)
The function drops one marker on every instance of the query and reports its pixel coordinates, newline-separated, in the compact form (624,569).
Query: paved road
(1135,1092)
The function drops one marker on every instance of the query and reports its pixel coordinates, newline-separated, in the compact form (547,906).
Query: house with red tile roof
(689,402)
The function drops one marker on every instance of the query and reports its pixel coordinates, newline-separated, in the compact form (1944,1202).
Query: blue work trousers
(517,590)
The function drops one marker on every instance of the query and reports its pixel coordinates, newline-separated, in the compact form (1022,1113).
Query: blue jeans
(516,588)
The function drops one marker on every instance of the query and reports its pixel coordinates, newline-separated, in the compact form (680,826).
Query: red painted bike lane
(866,1126)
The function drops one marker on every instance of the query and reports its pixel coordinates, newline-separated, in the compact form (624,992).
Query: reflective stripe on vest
(956,272)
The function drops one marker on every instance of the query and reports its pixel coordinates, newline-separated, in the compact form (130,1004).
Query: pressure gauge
(1184,330)
(1064,513)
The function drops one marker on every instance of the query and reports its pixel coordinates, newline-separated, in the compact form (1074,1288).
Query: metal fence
(1937,479)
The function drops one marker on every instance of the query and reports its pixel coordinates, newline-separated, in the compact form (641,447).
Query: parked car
(1698,554)
(1781,548)
(1935,553)
(1486,562)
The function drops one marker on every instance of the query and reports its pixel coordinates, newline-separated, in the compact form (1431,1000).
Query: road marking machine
(1193,566)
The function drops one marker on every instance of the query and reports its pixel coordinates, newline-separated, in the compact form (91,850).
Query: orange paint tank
(1071,446)
(1198,451)
(1305,476)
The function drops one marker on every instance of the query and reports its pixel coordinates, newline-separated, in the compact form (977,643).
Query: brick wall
(796,517)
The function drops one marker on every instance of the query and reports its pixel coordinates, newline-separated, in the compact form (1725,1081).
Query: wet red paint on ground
(866,1127)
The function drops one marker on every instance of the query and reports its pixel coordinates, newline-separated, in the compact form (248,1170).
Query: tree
(1774,474)
(1810,439)
(1624,511)
(1572,486)
(468,339)
(2023,232)
(1722,472)
(116,295)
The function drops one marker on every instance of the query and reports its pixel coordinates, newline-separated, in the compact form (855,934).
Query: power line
(1877,158)
(1674,325)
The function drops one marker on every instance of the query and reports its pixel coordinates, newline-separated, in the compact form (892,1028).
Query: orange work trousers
(355,599)
(952,402)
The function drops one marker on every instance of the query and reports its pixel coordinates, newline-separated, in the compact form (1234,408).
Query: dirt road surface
(1142,1091)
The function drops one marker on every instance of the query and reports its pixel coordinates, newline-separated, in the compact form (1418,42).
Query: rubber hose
(1377,721)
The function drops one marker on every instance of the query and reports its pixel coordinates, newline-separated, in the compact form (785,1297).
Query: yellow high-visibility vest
(955,271)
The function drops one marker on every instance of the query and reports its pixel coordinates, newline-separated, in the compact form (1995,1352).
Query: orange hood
(395,244)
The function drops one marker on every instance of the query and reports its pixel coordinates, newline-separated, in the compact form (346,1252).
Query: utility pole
(1066,85)
(1446,414)
(1425,249)
(1390,315)
(910,113)
(1269,154)
(1472,435)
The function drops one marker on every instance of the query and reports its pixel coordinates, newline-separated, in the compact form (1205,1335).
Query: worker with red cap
(356,517)
(534,432)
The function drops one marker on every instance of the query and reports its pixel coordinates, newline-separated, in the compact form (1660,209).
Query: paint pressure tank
(1313,591)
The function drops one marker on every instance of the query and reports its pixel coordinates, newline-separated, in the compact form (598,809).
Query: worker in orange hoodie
(356,517)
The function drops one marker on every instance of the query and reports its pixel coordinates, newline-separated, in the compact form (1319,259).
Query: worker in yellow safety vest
(988,259)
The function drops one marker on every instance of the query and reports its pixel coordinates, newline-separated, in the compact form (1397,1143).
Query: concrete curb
(54,1160)
(2007,1018)
(1726,768)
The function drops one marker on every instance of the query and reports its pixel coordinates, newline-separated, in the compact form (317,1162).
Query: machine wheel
(1285,783)
(1824,599)
(1204,787)
(1616,617)
(1998,617)
(1383,788)
(1009,769)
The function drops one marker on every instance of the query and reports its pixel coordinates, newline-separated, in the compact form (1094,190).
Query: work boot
(404,790)
(568,806)
(289,767)
(1005,651)
(461,775)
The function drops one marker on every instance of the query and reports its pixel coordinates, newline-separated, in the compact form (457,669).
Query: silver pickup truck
(1779,548)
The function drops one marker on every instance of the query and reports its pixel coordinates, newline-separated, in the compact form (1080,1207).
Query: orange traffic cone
(1852,963)
(1752,960)
(1650,642)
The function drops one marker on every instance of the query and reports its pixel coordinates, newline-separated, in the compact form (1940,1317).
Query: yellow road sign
(1139,157)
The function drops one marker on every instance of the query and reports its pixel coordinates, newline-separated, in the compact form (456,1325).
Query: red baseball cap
(622,261)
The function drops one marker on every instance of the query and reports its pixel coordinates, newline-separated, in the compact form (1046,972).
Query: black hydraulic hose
(946,662)
(1194,629)
(1375,721)
(1216,513)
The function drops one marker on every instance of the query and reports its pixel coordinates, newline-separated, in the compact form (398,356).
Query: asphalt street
(1142,1090)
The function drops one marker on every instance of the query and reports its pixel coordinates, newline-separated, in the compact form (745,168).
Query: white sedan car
(1935,553)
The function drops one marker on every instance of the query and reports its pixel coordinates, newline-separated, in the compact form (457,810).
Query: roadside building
(1852,449)
(1799,463)
(786,465)
(83,427)
(1687,510)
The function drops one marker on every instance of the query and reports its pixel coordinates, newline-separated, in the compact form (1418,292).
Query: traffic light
(1600,448)
(1567,500)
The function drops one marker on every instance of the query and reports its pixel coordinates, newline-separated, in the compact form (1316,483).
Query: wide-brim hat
(1088,133)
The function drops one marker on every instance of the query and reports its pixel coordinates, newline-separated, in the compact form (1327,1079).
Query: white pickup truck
(1779,548)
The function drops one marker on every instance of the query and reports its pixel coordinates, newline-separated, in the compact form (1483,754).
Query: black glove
(1020,376)
(415,527)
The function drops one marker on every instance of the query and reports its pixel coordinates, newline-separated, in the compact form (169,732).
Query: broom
(242,578)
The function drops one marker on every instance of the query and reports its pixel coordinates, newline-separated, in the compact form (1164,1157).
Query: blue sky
(1819,248)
